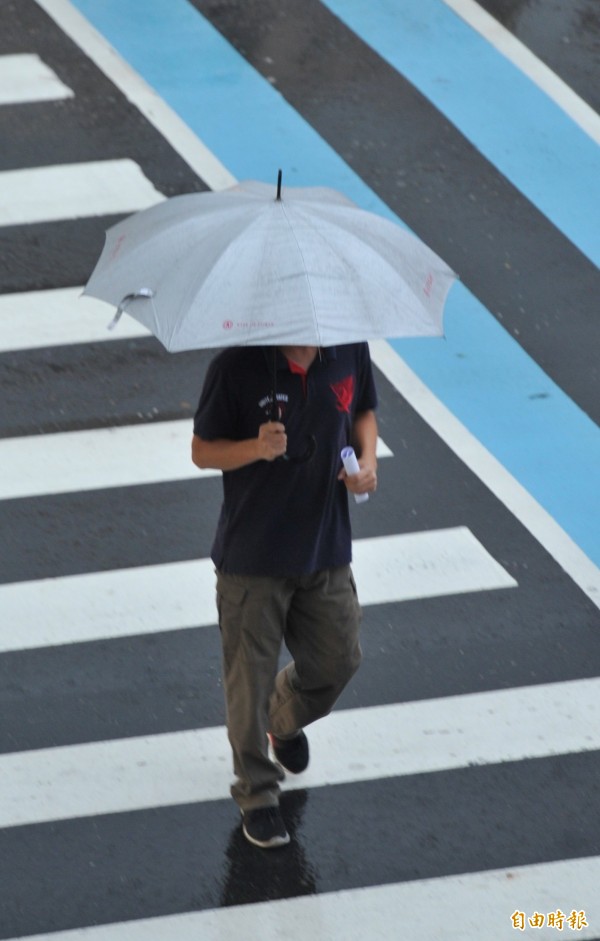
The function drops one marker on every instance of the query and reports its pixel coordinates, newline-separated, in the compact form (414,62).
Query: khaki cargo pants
(317,617)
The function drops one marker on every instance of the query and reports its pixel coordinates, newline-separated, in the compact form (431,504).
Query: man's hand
(363,482)
(227,455)
(364,441)
(272,440)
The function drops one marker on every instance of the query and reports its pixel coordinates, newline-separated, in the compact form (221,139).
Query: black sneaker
(291,753)
(264,827)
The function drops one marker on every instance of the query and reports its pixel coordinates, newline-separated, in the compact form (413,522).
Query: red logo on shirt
(344,393)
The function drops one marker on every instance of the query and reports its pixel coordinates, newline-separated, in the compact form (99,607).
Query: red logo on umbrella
(227,324)
(344,393)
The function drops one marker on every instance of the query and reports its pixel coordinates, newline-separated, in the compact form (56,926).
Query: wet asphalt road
(145,863)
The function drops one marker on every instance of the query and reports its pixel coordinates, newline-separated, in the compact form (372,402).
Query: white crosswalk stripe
(350,745)
(123,456)
(87,607)
(25,78)
(56,317)
(105,457)
(70,191)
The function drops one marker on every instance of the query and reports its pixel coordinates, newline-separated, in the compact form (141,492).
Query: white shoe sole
(273,843)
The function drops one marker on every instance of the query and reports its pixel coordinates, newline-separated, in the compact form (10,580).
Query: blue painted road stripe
(510,121)
(478,371)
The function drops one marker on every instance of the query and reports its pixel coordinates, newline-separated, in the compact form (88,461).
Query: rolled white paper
(351,467)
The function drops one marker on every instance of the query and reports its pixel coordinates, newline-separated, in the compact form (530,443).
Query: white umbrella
(248,266)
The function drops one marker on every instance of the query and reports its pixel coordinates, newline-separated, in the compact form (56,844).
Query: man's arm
(364,442)
(226,455)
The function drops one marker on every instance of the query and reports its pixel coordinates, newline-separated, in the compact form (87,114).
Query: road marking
(149,599)
(122,456)
(69,191)
(469,907)
(529,64)
(140,94)
(508,119)
(489,470)
(350,745)
(57,317)
(25,78)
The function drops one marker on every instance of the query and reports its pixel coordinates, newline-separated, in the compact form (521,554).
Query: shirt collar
(327,353)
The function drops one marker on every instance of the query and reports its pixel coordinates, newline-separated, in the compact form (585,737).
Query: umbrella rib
(416,270)
(312,300)
(225,249)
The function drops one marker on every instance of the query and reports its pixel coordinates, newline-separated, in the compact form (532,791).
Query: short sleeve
(217,412)
(366,397)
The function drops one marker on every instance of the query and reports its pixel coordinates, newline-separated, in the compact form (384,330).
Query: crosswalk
(445,794)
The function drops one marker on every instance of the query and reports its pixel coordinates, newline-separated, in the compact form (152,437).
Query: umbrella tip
(279,175)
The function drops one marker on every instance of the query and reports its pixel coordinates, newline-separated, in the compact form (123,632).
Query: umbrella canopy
(245,266)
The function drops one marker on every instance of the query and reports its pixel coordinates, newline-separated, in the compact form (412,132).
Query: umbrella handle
(143,292)
(279,175)
(275,414)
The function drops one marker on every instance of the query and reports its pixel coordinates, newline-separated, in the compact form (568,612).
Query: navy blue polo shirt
(281,518)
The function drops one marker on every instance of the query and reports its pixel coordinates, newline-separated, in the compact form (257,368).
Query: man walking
(275,420)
